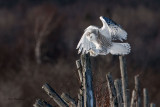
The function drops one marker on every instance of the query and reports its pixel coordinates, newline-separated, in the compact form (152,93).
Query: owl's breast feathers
(104,43)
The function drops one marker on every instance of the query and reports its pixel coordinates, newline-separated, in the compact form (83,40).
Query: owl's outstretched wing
(85,46)
(117,33)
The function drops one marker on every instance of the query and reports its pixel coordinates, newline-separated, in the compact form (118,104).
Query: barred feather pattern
(117,32)
(104,43)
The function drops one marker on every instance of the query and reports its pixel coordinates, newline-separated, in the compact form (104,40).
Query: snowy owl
(100,41)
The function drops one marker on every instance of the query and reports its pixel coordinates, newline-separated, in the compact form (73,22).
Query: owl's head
(92,34)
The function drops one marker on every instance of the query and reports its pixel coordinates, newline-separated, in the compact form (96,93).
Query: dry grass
(102,95)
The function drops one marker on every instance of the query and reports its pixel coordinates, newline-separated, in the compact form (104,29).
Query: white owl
(99,41)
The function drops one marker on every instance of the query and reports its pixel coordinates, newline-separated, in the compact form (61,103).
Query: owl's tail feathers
(120,49)
(96,52)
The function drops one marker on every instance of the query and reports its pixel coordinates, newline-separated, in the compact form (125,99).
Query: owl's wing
(120,48)
(117,33)
(85,46)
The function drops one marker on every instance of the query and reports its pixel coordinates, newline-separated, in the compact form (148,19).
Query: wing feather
(117,32)
(85,46)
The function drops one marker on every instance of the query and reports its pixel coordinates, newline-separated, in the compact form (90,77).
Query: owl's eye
(88,33)
(90,36)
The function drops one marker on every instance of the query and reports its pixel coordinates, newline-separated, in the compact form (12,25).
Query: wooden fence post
(89,100)
(137,89)
(125,88)
(41,103)
(112,91)
(68,100)
(133,99)
(80,100)
(79,67)
(118,86)
(80,94)
(145,98)
(152,105)
(118,89)
(54,95)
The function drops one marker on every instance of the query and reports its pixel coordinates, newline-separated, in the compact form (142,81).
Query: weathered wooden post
(80,94)
(89,100)
(152,105)
(41,103)
(80,99)
(137,89)
(79,67)
(118,89)
(118,86)
(145,98)
(68,100)
(124,76)
(133,99)
(112,91)
(54,96)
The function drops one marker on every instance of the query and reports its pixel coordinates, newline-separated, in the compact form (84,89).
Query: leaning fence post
(112,91)
(54,95)
(123,69)
(89,100)
(145,98)
(41,103)
(80,94)
(68,100)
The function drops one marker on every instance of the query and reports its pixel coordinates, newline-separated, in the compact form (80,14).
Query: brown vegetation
(22,23)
